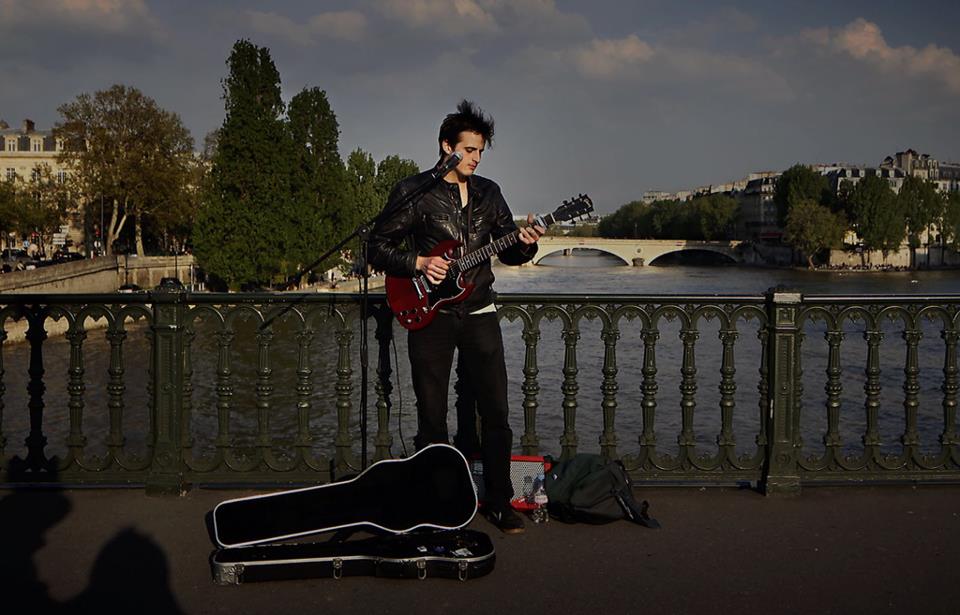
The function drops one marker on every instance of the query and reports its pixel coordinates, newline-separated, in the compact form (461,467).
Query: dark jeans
(484,377)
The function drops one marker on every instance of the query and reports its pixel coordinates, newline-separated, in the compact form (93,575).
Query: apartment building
(24,150)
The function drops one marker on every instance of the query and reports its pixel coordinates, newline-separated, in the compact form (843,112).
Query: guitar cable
(396,362)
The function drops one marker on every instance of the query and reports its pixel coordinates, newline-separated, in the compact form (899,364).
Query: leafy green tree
(320,182)
(390,171)
(950,223)
(369,184)
(173,220)
(667,220)
(922,206)
(876,214)
(582,229)
(244,232)
(812,227)
(630,221)
(9,215)
(799,183)
(364,201)
(714,215)
(125,149)
(44,205)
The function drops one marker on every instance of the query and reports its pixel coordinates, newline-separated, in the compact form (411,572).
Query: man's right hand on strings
(434,267)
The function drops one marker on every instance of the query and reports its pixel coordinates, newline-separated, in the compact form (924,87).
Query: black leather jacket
(437,216)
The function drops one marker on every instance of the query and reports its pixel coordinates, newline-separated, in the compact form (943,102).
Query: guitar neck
(481,255)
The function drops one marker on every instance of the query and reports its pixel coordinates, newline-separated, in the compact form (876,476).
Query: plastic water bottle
(539,513)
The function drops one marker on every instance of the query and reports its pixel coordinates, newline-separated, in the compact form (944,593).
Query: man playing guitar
(470,209)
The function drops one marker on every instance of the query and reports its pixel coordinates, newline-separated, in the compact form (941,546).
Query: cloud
(451,17)
(631,61)
(531,19)
(339,25)
(609,58)
(863,41)
(127,17)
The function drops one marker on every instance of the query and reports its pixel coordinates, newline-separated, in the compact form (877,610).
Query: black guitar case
(431,489)
(453,554)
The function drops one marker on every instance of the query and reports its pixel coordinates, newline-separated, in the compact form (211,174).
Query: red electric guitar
(415,300)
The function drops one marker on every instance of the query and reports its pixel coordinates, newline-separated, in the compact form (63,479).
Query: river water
(583,272)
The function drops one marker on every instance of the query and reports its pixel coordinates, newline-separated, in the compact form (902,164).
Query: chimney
(27,126)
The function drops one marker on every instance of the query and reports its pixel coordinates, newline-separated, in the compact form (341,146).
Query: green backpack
(592,489)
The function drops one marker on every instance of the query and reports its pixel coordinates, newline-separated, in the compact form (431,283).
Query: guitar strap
(466,237)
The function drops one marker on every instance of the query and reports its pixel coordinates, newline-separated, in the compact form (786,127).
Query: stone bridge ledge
(635,252)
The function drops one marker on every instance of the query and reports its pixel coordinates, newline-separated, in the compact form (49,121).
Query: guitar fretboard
(480,255)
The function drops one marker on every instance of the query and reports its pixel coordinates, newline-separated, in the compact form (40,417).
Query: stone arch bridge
(637,252)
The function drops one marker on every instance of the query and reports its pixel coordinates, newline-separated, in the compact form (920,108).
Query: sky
(608,98)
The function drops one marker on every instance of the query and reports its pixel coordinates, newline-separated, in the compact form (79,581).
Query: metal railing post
(166,474)
(780,472)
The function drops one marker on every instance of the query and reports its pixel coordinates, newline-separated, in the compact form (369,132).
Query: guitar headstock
(580,205)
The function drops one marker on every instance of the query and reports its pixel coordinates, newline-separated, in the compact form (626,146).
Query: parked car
(16,259)
(63,256)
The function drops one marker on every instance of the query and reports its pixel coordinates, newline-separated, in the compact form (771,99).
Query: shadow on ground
(130,573)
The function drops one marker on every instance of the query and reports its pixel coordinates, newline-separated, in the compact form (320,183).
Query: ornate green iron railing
(171,389)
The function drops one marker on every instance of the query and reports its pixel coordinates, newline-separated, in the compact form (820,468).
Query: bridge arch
(725,254)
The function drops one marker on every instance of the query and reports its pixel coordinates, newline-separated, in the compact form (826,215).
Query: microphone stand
(363,233)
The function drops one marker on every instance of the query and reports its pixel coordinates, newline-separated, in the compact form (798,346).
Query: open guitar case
(417,508)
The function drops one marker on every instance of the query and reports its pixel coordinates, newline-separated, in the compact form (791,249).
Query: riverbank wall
(933,257)
(105,274)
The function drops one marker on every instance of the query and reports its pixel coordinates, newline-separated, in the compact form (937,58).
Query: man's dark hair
(468,117)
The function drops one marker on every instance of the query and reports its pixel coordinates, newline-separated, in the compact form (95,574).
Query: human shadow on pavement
(25,517)
(130,573)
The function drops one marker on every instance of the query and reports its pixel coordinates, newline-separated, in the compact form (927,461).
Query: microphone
(446,165)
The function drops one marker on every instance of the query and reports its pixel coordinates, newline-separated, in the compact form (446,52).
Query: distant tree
(950,222)
(369,184)
(173,222)
(922,206)
(125,149)
(210,141)
(243,233)
(799,183)
(581,229)
(320,185)
(390,171)
(812,227)
(876,215)
(714,214)
(9,214)
(45,205)
(364,201)
(630,221)
(665,219)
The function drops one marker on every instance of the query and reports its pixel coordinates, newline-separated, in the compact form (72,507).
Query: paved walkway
(831,550)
